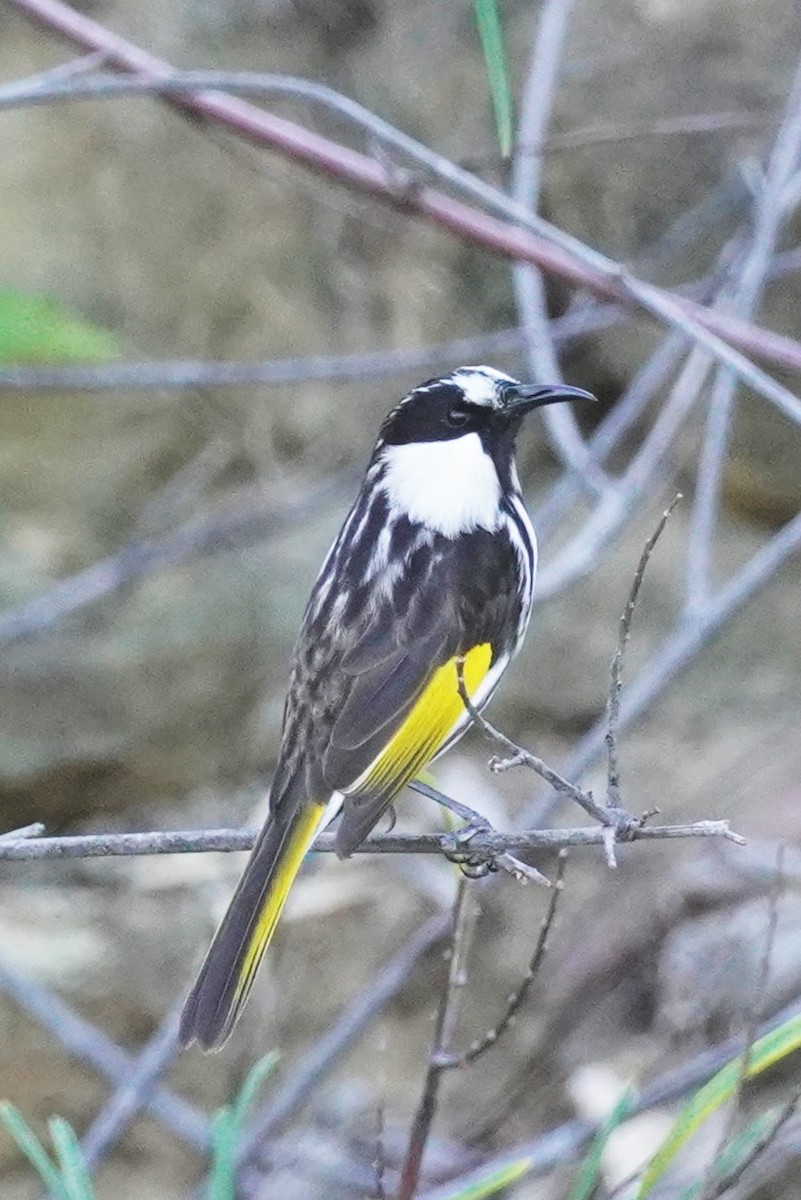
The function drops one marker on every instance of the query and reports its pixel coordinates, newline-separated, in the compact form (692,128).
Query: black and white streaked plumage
(434,566)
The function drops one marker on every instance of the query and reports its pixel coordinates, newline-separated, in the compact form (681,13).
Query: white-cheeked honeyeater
(433,566)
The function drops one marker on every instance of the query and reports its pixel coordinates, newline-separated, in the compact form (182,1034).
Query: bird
(425,593)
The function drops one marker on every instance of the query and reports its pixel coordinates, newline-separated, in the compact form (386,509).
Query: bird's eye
(456,418)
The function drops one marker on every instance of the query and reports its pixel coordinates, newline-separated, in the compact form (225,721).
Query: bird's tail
(226,977)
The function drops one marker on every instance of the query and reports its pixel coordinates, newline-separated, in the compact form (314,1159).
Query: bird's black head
(471,400)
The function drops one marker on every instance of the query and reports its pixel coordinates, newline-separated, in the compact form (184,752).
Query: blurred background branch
(164,515)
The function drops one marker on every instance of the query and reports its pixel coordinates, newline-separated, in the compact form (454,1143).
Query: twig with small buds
(613,797)
(465,916)
(518,997)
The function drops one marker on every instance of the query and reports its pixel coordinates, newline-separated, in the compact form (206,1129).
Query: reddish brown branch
(367,175)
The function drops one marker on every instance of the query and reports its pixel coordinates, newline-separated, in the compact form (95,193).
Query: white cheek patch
(450,486)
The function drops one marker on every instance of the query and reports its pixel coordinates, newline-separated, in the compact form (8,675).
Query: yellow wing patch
(433,718)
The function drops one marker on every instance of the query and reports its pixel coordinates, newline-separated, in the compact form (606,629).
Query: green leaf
(770,1049)
(74,1173)
(586,1181)
(491,1184)
(33,1150)
(226,1130)
(491,34)
(36,329)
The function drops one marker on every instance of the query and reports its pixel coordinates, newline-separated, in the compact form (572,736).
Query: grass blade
(74,1173)
(226,1130)
(34,1151)
(733,1154)
(491,34)
(493,1183)
(586,1181)
(770,1049)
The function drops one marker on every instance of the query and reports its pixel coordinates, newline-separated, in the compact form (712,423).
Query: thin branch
(563,1143)
(94,1047)
(296,1089)
(529,239)
(685,641)
(528,280)
(773,207)
(176,374)
(35,830)
(624,822)
(203,841)
(380,1152)
(465,916)
(518,997)
(691,123)
(132,1093)
(614,799)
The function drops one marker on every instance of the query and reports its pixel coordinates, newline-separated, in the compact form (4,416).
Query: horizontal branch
(202,841)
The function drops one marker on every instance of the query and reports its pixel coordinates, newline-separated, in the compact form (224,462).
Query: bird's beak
(522,398)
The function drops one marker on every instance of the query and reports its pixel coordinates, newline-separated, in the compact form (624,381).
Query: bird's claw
(456,848)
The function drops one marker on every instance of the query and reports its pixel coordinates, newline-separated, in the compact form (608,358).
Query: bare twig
(624,822)
(203,841)
(614,799)
(35,830)
(132,1093)
(465,915)
(380,364)
(519,995)
(529,283)
(773,207)
(380,1152)
(682,644)
(692,123)
(563,1143)
(94,1047)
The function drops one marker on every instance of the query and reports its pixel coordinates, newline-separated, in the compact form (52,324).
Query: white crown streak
(450,486)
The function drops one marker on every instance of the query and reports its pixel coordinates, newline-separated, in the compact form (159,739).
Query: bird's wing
(402,703)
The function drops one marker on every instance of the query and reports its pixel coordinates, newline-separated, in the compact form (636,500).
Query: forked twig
(518,997)
(623,822)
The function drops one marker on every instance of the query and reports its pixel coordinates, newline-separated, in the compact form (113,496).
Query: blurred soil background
(159,706)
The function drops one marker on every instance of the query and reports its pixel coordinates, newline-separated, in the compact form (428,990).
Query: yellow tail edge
(301,836)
